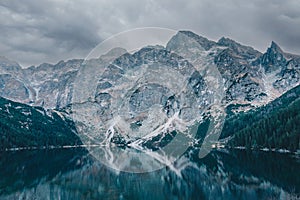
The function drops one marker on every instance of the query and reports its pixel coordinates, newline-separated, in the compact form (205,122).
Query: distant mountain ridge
(249,76)
(251,79)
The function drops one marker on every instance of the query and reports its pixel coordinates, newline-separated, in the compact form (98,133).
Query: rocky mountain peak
(113,53)
(223,41)
(4,60)
(8,65)
(204,42)
(275,47)
(51,85)
(274,59)
(242,50)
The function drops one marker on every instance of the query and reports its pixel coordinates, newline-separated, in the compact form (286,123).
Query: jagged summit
(116,51)
(226,41)
(274,59)
(245,51)
(112,53)
(204,42)
(276,47)
(192,34)
(50,85)
(5,62)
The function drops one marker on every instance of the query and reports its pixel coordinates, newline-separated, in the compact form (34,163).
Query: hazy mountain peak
(191,34)
(232,59)
(113,53)
(4,61)
(274,58)
(204,42)
(116,51)
(275,47)
(246,51)
(3,58)
(226,41)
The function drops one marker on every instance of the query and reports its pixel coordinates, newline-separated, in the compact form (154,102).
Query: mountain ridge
(251,79)
(268,74)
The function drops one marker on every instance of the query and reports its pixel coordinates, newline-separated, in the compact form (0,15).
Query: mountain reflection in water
(74,174)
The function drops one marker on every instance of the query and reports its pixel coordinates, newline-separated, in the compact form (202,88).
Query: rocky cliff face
(52,84)
(46,85)
(248,75)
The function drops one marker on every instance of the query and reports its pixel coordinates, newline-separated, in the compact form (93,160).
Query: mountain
(45,85)
(24,126)
(282,67)
(248,75)
(274,125)
(241,77)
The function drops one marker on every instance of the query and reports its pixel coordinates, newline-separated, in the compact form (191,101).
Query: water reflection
(74,174)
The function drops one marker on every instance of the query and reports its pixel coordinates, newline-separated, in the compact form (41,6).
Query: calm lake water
(74,174)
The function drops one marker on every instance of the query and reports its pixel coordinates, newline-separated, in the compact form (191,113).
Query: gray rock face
(273,59)
(245,88)
(12,88)
(244,51)
(289,74)
(248,75)
(282,69)
(52,83)
(8,66)
(12,85)
(241,78)
(204,42)
(149,89)
(46,85)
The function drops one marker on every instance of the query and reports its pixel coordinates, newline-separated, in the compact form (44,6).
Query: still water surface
(74,174)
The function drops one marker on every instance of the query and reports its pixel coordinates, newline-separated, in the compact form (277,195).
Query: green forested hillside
(276,125)
(25,126)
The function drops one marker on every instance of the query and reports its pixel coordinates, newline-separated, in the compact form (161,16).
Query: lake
(223,174)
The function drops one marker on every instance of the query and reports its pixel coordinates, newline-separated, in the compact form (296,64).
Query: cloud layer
(34,31)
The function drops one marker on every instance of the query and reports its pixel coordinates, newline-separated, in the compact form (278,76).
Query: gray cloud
(34,31)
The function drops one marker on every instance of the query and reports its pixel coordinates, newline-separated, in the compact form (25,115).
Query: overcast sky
(37,31)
